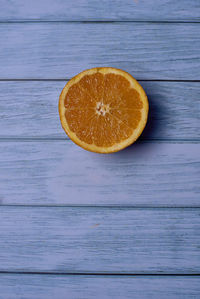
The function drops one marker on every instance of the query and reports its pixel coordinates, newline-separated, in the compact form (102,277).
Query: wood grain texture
(32,110)
(88,287)
(60,172)
(61,50)
(100,240)
(106,240)
(85,10)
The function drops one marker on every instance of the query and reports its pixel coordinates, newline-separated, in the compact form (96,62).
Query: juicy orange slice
(103,110)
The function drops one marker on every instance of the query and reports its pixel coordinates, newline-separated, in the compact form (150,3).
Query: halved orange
(103,110)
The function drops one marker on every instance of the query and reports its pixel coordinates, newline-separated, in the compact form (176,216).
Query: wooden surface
(100,240)
(61,50)
(89,287)
(59,172)
(74,224)
(174,110)
(112,10)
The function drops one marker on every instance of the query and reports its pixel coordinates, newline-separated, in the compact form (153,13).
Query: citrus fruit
(103,110)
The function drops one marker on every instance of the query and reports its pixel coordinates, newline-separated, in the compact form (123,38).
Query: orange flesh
(103,109)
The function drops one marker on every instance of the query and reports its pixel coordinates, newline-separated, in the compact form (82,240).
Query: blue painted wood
(174,110)
(61,50)
(60,172)
(85,10)
(105,240)
(99,240)
(78,287)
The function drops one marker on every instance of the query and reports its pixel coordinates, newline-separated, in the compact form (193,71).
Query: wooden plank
(85,10)
(61,50)
(174,110)
(50,286)
(100,240)
(60,172)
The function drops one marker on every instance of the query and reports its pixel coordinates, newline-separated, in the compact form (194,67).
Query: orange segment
(93,85)
(103,109)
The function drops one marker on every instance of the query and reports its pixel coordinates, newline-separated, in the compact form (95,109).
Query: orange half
(103,110)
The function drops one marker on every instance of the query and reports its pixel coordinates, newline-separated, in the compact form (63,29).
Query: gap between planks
(67,79)
(61,139)
(97,21)
(99,206)
(97,273)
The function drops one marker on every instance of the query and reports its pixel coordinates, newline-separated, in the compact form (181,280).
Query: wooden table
(74,224)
